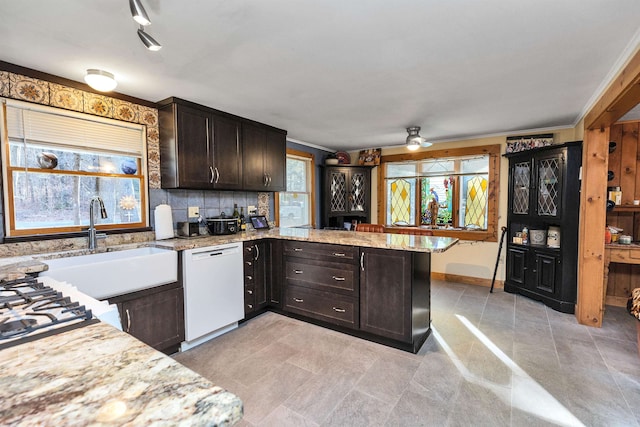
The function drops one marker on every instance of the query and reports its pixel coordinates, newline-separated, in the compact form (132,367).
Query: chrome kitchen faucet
(93,235)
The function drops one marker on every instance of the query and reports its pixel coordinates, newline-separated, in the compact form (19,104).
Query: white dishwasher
(213,292)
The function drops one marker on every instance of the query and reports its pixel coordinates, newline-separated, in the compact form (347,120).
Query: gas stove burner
(30,310)
(17,326)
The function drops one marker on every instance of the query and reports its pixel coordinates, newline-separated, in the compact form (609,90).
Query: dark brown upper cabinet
(202,148)
(264,158)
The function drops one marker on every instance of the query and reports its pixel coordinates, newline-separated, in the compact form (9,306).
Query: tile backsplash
(211,203)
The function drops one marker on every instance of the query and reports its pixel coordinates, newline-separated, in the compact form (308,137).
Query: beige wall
(471,258)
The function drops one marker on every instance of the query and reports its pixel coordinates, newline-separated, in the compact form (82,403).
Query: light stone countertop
(348,238)
(99,376)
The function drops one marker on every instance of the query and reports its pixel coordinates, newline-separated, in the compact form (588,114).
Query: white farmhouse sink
(109,274)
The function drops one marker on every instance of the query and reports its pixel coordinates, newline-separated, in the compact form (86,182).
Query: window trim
(489,235)
(312,174)
(10,232)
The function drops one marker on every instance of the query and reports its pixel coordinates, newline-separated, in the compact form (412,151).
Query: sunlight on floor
(525,393)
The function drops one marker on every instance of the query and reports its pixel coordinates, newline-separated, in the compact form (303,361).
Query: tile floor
(492,360)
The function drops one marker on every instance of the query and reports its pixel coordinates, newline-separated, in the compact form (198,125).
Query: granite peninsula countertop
(18,266)
(348,238)
(97,375)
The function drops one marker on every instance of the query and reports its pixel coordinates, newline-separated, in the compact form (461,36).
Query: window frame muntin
(10,232)
(494,151)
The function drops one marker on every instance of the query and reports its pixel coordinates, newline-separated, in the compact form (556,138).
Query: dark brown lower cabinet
(378,294)
(154,316)
(395,295)
(257,265)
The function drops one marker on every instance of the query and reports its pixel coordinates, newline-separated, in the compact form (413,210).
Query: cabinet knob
(249,291)
(339,310)
(298,300)
(249,306)
(248,262)
(249,277)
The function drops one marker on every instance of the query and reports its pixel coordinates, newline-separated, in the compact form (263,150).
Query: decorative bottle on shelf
(243,225)
(525,236)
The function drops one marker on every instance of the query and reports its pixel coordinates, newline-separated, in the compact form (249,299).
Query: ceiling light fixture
(414,140)
(100,80)
(148,41)
(138,12)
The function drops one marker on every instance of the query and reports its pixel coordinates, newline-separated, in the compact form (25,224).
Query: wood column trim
(595,156)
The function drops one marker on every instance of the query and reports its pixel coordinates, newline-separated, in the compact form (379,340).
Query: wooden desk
(623,254)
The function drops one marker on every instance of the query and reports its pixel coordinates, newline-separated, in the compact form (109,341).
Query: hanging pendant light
(100,80)
(414,140)
(148,41)
(138,12)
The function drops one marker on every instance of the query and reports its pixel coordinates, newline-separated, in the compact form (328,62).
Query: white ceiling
(344,74)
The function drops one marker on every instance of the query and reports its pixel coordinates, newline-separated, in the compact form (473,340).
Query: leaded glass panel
(521,177)
(358,192)
(338,202)
(401,199)
(548,186)
(476,206)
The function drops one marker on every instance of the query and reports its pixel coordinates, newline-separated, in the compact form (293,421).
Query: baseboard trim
(467,280)
(616,301)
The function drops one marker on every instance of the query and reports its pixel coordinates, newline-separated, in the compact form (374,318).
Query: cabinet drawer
(321,251)
(322,275)
(327,306)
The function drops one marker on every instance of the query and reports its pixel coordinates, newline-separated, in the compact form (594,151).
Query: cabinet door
(549,185)
(546,273)
(260,270)
(516,266)
(520,185)
(275,160)
(156,319)
(385,293)
(227,154)
(336,191)
(253,142)
(358,191)
(274,283)
(193,137)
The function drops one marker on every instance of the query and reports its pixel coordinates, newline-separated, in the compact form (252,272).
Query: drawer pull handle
(298,300)
(339,310)
(249,277)
(362,261)
(298,271)
(297,249)
(338,279)
(338,254)
(249,291)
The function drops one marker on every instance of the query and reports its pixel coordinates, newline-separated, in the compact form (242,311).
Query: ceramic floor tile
(359,409)
(285,417)
(289,372)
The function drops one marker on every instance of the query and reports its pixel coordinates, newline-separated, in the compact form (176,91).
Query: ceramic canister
(553,237)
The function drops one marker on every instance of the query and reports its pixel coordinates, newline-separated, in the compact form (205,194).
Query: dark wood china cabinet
(542,224)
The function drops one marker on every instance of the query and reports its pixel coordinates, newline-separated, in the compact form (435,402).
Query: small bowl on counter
(624,240)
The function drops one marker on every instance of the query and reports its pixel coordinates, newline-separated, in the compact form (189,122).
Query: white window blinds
(39,126)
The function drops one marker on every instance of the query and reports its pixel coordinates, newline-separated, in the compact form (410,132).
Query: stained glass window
(450,192)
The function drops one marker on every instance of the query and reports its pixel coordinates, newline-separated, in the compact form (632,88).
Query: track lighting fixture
(148,41)
(138,12)
(414,140)
(100,80)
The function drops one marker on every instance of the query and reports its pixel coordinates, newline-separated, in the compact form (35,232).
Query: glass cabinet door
(548,176)
(521,180)
(338,191)
(358,191)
